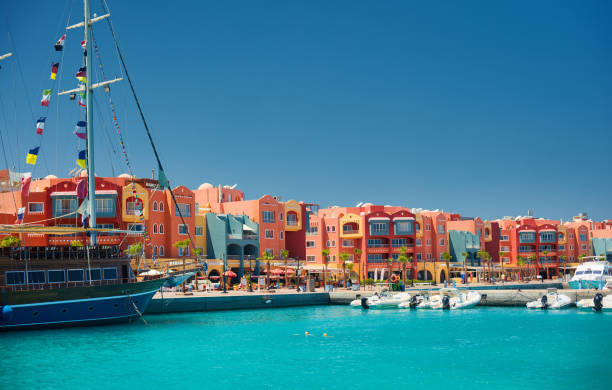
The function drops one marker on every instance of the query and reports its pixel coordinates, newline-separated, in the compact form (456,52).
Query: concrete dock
(173,302)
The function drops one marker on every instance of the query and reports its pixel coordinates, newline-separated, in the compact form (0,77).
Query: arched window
(154,251)
(161,206)
(161,228)
(154,228)
(161,250)
(154,206)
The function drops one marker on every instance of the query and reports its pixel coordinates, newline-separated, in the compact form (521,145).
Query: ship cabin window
(57,276)
(36,277)
(14,278)
(75,275)
(110,273)
(96,274)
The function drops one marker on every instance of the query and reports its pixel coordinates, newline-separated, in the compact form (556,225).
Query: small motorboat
(414,301)
(453,299)
(598,303)
(551,300)
(385,300)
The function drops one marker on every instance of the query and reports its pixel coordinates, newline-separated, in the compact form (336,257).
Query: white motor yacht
(598,303)
(453,299)
(551,300)
(590,274)
(384,300)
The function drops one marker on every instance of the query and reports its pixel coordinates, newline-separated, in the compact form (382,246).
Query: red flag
(81,189)
(25,186)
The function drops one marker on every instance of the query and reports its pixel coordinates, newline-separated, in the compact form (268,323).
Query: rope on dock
(137,311)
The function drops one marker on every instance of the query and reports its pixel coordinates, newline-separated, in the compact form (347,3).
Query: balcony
(350,233)
(378,248)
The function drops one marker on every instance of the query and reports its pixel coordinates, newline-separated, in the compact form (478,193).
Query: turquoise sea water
(493,348)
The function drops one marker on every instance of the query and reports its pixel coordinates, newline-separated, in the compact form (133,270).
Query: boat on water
(591,274)
(415,301)
(86,282)
(453,299)
(551,300)
(384,300)
(599,302)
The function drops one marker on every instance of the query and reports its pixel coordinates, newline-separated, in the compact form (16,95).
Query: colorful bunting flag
(25,186)
(81,75)
(40,125)
(54,69)
(81,129)
(84,44)
(81,189)
(82,97)
(82,159)
(46,96)
(32,156)
(59,45)
(20,213)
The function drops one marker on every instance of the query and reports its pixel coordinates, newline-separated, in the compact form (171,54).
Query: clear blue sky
(483,108)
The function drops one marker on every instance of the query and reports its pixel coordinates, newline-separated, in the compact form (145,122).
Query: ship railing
(52,286)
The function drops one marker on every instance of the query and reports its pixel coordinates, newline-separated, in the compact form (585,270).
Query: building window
(527,237)
(328,228)
(35,208)
(441,242)
(428,227)
(280,216)
(419,257)
(267,216)
(270,252)
(347,243)
(504,238)
(561,247)
(12,278)
(547,237)
(333,243)
(398,242)
(583,237)
(441,257)
(310,244)
(64,206)
(505,249)
(161,206)
(199,231)
(334,258)
(376,243)
(333,228)
(154,206)
(506,260)
(154,251)
(269,233)
(479,232)
(310,259)
(418,242)
(183,229)
(583,247)
(133,206)
(183,251)
(105,206)
(135,227)
(428,242)
(109,273)
(417,227)
(75,275)
(161,228)
(570,236)
(571,247)
(560,236)
(184,208)
(57,276)
(440,229)
(292,219)
(161,249)
(378,227)
(328,243)
(154,228)
(280,235)
(429,256)
(36,277)
(403,227)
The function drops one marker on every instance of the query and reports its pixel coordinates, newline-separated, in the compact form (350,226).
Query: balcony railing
(292,222)
(378,245)
(350,231)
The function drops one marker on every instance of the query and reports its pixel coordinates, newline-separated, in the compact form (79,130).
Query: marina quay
(305,195)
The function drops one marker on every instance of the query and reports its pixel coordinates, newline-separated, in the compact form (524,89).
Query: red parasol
(230,273)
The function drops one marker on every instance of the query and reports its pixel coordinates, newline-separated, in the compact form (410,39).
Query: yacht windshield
(579,272)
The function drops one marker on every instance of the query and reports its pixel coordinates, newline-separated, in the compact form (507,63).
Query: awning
(401,219)
(379,219)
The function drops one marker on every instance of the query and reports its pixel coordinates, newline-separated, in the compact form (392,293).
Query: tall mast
(91,180)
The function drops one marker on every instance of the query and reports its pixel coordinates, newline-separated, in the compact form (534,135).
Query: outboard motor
(413,302)
(597,302)
(446,302)
(364,303)
(544,301)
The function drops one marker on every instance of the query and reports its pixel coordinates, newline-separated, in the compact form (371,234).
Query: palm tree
(344,257)
(390,265)
(349,266)
(133,250)
(285,256)
(182,245)
(562,258)
(447,256)
(410,260)
(532,259)
(403,260)
(520,262)
(358,258)
(325,254)
(501,263)
(465,276)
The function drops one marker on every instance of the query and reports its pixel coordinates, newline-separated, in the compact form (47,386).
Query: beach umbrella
(152,272)
(277,271)
(230,273)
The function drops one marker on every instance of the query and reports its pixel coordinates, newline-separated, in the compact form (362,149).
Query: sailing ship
(94,283)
